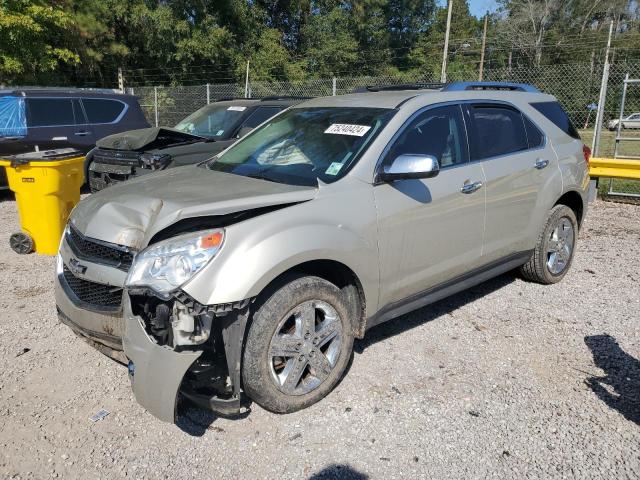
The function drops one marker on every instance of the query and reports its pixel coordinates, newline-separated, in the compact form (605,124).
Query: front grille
(93,293)
(117,157)
(99,252)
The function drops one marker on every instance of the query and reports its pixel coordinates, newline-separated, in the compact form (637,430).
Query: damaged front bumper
(206,375)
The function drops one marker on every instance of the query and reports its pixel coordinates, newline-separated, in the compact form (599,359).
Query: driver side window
(438,132)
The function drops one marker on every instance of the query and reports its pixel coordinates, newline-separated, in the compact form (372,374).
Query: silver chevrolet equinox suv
(255,271)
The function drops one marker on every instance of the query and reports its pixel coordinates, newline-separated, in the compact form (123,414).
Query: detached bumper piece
(162,373)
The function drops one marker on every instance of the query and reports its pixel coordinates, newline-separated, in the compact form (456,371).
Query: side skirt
(463,282)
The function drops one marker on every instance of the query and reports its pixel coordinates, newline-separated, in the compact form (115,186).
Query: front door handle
(82,133)
(471,187)
(540,164)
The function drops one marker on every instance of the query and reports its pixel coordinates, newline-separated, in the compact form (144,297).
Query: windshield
(304,145)
(212,121)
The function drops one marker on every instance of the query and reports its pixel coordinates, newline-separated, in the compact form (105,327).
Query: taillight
(586,151)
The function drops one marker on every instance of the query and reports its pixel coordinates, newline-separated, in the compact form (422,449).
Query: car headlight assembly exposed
(154,161)
(169,264)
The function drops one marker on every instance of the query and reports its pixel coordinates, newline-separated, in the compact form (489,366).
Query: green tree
(33,40)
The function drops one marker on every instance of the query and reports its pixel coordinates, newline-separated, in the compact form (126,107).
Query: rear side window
(49,112)
(259,115)
(554,112)
(102,110)
(498,131)
(534,135)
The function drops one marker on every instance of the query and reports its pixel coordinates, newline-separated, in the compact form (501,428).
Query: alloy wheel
(305,347)
(560,246)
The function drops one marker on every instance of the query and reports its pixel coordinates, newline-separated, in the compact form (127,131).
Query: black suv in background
(43,119)
(198,137)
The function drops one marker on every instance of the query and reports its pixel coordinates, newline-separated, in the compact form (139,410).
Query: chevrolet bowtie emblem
(76,267)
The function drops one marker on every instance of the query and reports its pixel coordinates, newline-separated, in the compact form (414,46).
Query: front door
(430,230)
(50,123)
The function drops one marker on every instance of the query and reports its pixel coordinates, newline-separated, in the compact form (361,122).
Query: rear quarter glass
(554,112)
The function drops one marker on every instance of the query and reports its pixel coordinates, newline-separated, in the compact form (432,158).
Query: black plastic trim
(443,290)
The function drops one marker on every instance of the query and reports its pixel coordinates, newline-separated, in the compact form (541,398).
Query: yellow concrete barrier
(614,168)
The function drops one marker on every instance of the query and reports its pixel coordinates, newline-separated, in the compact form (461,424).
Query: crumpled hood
(156,137)
(131,213)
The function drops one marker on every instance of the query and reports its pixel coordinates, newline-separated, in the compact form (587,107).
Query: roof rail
(28,88)
(284,97)
(402,86)
(226,99)
(514,87)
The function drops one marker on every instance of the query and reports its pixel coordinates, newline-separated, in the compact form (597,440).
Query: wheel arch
(332,271)
(574,201)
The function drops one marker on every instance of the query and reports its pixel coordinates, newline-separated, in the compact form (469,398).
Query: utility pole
(443,74)
(595,146)
(484,44)
(246,82)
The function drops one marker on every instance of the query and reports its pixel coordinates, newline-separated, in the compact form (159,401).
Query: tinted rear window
(498,131)
(46,112)
(102,111)
(554,112)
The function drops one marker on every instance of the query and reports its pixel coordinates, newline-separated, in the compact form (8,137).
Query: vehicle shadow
(619,388)
(414,189)
(338,471)
(431,312)
(195,421)
(6,196)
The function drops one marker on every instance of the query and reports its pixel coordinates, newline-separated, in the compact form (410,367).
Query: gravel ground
(509,379)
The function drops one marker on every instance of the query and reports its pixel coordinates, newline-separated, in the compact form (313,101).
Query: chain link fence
(576,86)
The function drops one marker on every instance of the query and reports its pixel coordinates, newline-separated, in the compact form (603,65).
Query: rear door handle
(82,133)
(471,187)
(540,164)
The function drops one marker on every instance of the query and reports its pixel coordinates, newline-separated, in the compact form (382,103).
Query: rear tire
(553,254)
(305,320)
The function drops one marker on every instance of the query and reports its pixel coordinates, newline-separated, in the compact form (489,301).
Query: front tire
(554,250)
(298,346)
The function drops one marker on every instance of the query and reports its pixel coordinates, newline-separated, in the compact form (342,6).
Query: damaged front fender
(207,374)
(157,370)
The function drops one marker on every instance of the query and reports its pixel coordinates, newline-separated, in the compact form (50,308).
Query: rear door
(104,116)
(517,162)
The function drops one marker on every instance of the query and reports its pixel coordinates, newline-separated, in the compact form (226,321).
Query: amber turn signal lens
(211,241)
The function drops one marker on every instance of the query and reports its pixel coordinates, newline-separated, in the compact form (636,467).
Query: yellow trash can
(47,187)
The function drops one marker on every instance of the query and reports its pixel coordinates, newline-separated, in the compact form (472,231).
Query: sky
(478,7)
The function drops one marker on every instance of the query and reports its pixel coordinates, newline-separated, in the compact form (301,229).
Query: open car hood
(147,139)
(131,213)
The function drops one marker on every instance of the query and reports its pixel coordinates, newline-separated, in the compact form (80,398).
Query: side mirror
(410,166)
(244,131)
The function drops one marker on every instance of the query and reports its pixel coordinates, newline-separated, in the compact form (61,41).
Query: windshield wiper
(259,176)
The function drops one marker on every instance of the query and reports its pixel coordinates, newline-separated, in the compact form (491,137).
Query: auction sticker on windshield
(236,108)
(347,129)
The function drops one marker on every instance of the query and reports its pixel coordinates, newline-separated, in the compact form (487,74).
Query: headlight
(154,161)
(65,232)
(169,264)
